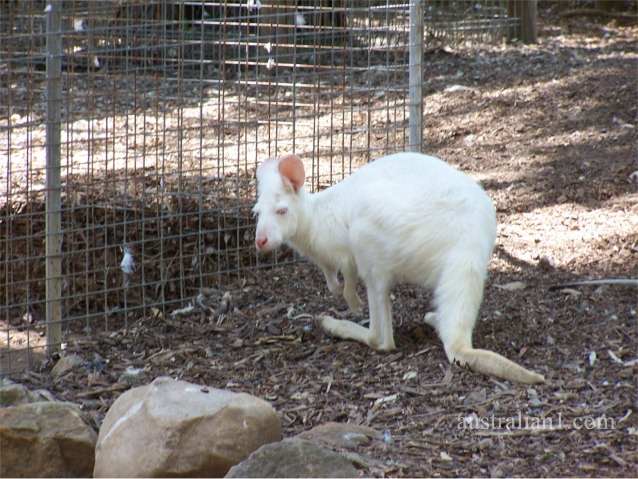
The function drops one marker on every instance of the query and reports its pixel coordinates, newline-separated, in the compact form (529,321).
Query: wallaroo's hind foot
(330,325)
(349,330)
(493,364)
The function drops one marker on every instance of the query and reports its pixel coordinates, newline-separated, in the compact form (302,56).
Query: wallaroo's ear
(291,169)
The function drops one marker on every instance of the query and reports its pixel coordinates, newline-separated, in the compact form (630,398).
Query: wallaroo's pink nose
(261,242)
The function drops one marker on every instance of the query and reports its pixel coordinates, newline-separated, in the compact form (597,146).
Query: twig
(188,310)
(109,389)
(275,339)
(595,282)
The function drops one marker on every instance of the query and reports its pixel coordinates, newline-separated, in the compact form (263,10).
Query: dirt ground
(550,130)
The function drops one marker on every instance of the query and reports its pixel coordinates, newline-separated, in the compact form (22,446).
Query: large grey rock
(294,458)
(12,394)
(45,439)
(174,428)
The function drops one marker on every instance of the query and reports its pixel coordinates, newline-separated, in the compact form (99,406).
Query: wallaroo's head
(279,187)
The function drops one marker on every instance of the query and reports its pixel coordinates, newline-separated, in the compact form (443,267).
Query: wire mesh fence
(158,112)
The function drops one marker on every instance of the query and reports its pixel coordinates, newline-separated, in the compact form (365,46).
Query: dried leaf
(475,397)
(445,456)
(300,396)
(385,400)
(409,375)
(614,358)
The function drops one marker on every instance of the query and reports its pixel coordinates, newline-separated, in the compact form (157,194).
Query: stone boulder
(45,439)
(66,364)
(175,428)
(13,394)
(294,458)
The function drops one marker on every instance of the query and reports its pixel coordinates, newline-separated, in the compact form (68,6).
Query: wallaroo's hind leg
(458,297)
(379,336)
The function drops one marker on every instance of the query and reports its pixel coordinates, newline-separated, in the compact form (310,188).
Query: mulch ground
(550,130)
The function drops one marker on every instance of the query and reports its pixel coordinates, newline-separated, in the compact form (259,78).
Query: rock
(294,458)
(469,140)
(12,394)
(65,364)
(44,395)
(175,428)
(133,376)
(45,439)
(340,435)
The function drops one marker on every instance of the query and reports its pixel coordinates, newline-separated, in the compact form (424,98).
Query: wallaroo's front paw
(383,347)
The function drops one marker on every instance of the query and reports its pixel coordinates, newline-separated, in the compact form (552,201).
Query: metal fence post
(526,30)
(53,183)
(416,75)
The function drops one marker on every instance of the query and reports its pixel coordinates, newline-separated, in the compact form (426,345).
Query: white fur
(404,218)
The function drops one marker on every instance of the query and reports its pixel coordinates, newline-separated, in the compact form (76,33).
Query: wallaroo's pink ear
(291,168)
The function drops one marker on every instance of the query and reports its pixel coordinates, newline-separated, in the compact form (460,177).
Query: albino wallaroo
(404,218)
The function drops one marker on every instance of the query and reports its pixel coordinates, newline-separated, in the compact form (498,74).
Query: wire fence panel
(164,110)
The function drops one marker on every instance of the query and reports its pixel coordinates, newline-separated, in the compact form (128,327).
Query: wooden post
(53,180)
(527,13)
(416,75)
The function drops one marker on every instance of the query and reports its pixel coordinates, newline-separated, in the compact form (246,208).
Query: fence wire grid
(163,110)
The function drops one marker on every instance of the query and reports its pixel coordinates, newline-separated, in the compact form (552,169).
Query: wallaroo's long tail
(493,364)
(458,296)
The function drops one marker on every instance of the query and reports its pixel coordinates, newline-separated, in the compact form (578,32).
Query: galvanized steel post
(53,177)
(416,75)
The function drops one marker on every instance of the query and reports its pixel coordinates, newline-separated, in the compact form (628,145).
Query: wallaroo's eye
(282,211)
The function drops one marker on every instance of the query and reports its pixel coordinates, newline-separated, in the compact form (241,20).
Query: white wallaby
(404,218)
